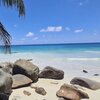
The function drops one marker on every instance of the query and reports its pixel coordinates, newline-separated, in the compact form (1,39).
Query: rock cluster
(26,68)
(23,73)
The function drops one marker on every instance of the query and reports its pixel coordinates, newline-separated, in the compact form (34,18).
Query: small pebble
(40,90)
(96,74)
(26,93)
(85,71)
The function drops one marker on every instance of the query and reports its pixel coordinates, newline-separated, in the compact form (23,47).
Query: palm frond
(5,37)
(19,4)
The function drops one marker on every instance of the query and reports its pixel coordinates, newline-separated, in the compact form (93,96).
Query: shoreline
(72,68)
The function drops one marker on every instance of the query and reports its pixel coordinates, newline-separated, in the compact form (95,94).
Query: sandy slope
(51,86)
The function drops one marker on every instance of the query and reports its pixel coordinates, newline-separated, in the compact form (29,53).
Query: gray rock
(69,92)
(4,96)
(26,93)
(5,85)
(20,80)
(96,74)
(85,71)
(86,83)
(51,73)
(7,67)
(40,90)
(29,59)
(26,68)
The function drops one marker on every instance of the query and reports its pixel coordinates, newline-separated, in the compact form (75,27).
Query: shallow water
(71,58)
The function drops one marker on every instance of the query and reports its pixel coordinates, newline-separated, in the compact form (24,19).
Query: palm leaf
(19,4)
(5,37)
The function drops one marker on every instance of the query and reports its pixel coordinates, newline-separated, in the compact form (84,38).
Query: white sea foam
(73,59)
(45,56)
(93,52)
(70,65)
(83,59)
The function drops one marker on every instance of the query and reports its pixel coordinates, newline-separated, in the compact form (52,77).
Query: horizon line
(55,43)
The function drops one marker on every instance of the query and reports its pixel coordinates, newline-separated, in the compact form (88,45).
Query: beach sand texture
(51,87)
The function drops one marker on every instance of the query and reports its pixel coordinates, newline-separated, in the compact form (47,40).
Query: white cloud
(68,29)
(29,34)
(52,29)
(78,30)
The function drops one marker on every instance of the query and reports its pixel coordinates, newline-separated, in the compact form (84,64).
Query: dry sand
(51,87)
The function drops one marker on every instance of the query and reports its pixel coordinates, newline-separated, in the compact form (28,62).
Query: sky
(53,21)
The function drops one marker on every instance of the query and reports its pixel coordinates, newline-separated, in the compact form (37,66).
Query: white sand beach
(71,67)
(51,86)
(50,49)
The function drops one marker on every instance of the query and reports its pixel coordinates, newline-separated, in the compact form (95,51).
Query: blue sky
(54,21)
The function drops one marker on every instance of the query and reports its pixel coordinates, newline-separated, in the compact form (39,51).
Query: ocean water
(79,50)
(76,51)
(72,58)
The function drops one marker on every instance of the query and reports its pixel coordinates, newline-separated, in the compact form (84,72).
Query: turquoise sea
(72,58)
(87,50)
